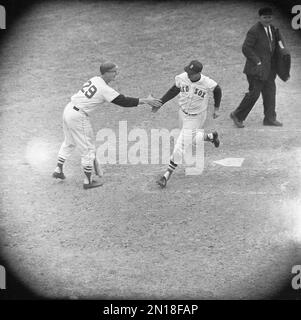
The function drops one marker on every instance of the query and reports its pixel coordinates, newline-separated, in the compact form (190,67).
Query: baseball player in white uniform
(193,89)
(77,126)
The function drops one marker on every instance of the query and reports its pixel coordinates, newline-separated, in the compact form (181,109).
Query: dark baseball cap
(266,11)
(107,66)
(194,66)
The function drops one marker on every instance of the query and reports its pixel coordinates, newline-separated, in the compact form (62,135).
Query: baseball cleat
(58,175)
(162,182)
(93,184)
(215,139)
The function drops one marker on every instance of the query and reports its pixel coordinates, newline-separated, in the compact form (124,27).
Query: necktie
(268,31)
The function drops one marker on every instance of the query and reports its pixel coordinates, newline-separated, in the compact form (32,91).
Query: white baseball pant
(189,133)
(78,133)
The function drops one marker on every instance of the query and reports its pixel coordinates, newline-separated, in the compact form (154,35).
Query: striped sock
(88,173)
(171,168)
(59,165)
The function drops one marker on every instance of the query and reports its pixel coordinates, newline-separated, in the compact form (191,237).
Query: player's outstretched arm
(128,102)
(170,94)
(217,95)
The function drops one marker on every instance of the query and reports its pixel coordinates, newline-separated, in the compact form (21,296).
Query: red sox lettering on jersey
(193,97)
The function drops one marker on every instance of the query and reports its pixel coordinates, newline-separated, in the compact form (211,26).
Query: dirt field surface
(229,233)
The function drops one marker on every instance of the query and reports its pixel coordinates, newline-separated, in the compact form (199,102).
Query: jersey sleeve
(211,84)
(109,93)
(126,102)
(178,81)
(170,94)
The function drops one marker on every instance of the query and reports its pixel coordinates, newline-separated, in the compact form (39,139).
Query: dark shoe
(93,184)
(162,182)
(237,122)
(215,139)
(272,123)
(58,175)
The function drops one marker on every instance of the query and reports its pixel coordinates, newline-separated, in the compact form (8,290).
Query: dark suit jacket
(256,48)
(283,58)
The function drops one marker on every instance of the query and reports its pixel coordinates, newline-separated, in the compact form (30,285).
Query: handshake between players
(193,89)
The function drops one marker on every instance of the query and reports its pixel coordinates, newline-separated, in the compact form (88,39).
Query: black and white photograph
(150,150)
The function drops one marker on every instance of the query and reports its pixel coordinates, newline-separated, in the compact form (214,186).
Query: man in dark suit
(260,69)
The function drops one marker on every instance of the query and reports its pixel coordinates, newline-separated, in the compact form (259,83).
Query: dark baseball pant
(267,89)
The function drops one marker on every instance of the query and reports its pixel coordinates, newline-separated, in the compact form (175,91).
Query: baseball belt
(79,110)
(189,114)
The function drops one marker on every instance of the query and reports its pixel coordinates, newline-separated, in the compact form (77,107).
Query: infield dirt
(230,233)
